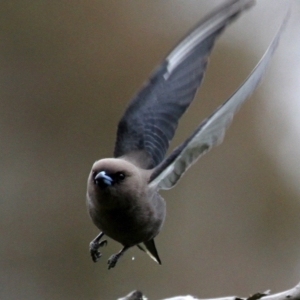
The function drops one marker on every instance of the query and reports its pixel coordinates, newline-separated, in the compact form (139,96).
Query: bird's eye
(120,176)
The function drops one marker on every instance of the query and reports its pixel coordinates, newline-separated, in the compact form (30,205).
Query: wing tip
(219,18)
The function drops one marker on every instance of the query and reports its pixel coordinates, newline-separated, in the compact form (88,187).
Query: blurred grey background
(67,71)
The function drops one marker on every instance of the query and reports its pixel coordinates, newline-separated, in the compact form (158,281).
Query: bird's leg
(115,257)
(95,244)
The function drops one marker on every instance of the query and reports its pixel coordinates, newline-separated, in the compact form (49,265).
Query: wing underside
(150,121)
(212,130)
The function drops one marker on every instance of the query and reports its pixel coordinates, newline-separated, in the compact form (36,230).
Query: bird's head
(111,173)
(116,178)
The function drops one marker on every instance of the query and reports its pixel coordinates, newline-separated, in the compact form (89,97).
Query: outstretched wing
(150,121)
(212,130)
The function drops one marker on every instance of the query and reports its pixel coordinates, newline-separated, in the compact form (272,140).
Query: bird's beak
(102,179)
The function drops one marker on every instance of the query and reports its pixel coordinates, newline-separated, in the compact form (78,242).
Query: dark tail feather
(151,250)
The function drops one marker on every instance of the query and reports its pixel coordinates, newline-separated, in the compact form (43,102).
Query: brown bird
(122,192)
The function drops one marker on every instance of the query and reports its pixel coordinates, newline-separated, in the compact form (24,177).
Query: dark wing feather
(150,121)
(212,130)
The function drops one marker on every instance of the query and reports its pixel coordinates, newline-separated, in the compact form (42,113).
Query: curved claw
(115,257)
(112,261)
(95,245)
(103,243)
(95,254)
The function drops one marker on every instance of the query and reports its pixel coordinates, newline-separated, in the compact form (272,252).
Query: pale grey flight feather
(212,130)
(200,34)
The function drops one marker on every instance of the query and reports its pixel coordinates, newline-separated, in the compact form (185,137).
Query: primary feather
(150,121)
(212,130)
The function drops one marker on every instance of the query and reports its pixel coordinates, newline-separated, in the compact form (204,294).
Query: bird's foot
(115,257)
(113,260)
(94,246)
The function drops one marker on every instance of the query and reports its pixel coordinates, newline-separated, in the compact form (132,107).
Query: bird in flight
(123,197)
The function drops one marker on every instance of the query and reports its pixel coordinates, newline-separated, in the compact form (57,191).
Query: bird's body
(137,209)
(122,193)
